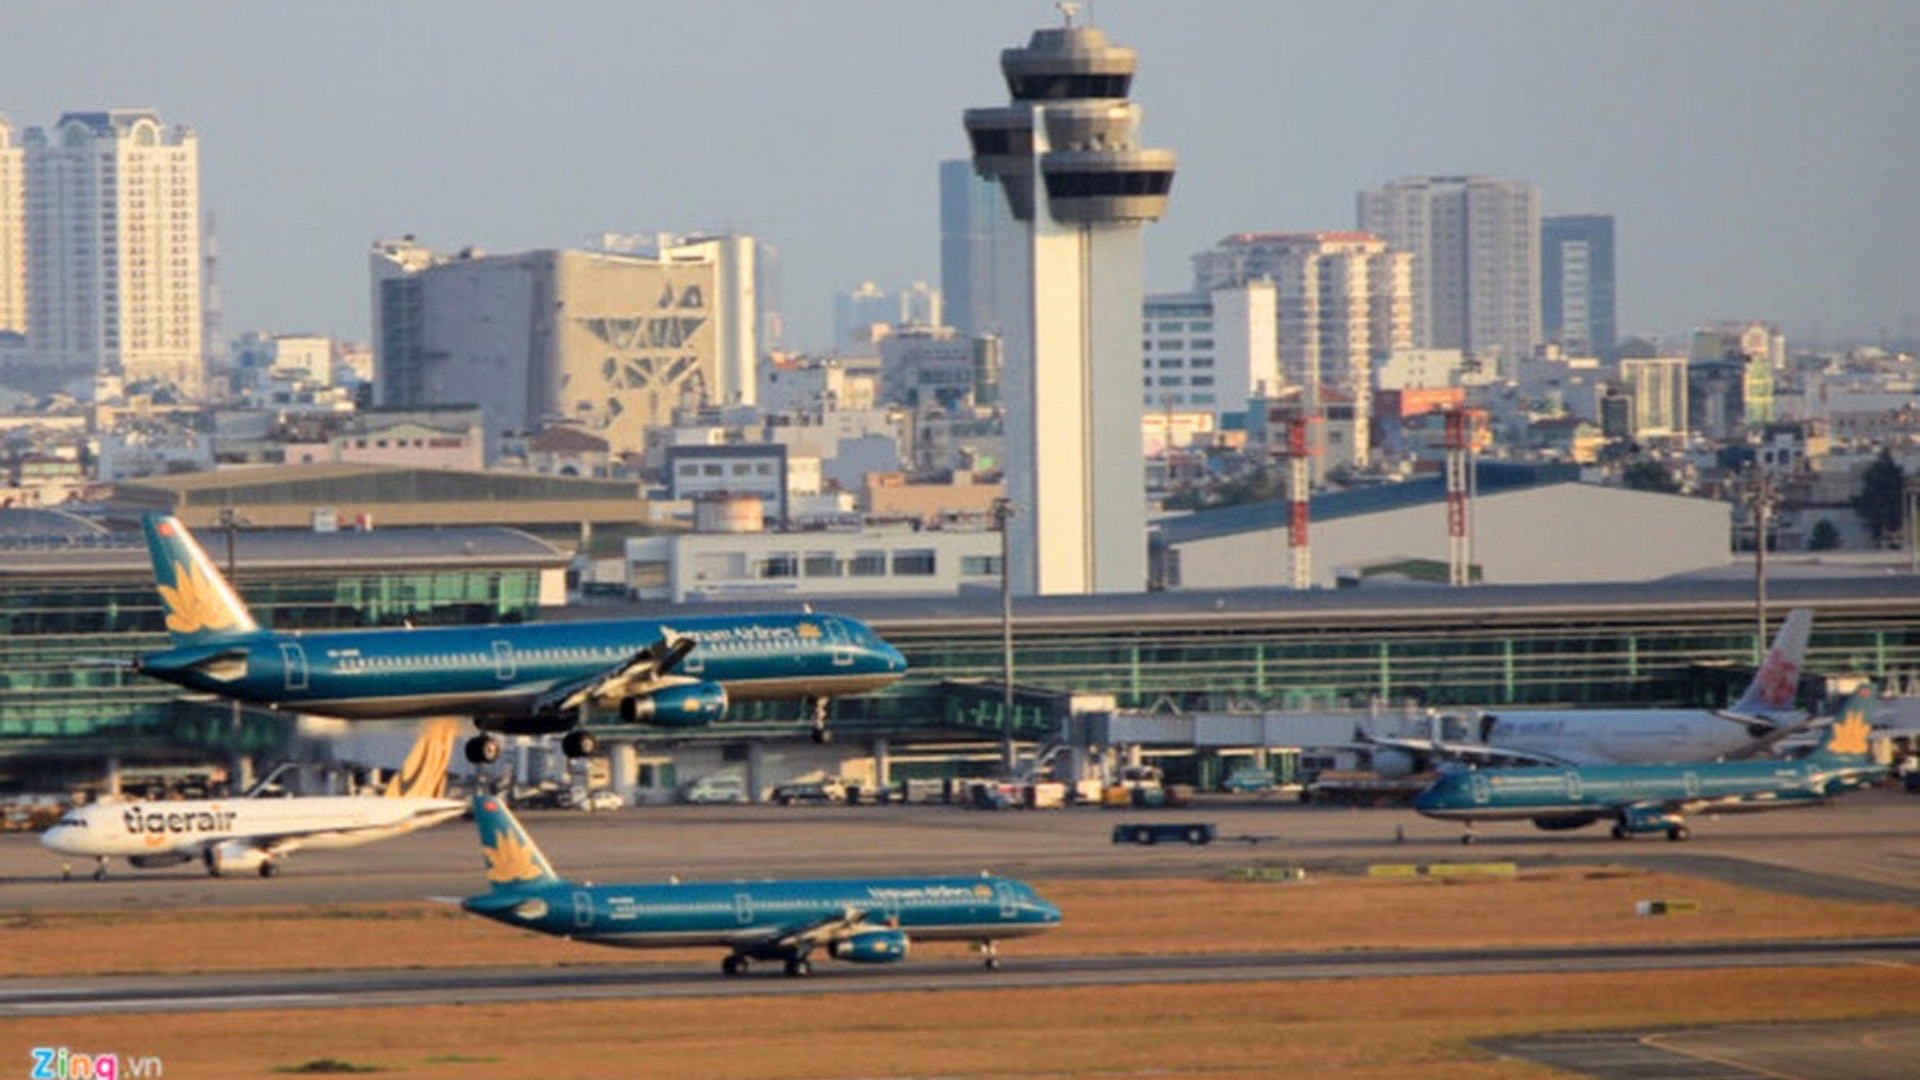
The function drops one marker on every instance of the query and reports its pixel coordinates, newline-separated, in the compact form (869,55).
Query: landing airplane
(529,679)
(1655,798)
(863,920)
(257,833)
(1764,714)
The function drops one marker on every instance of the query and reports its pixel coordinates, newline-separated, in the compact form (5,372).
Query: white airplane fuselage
(1619,736)
(161,828)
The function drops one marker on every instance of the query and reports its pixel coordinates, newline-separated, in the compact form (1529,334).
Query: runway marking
(1749,1069)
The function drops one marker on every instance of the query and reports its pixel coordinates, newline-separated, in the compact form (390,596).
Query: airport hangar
(71,590)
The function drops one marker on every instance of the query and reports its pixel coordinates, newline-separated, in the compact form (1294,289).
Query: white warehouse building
(811,565)
(1528,525)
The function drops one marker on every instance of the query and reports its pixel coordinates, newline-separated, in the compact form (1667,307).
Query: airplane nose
(1048,913)
(55,839)
(893,657)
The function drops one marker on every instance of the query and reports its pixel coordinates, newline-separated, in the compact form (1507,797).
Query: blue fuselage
(748,916)
(510,671)
(1601,792)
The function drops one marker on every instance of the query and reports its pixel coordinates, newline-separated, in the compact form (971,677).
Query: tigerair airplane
(238,835)
(531,679)
(862,920)
(1640,799)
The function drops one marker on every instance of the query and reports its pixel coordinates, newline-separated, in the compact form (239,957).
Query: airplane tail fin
(514,861)
(424,774)
(200,604)
(1775,684)
(1844,740)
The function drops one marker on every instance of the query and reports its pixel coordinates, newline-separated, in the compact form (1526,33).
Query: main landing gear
(796,967)
(484,749)
(819,716)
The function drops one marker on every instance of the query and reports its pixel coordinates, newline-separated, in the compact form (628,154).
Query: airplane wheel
(579,744)
(100,874)
(799,968)
(269,868)
(734,965)
(993,963)
(1678,832)
(1620,832)
(483,750)
(822,736)
(1467,838)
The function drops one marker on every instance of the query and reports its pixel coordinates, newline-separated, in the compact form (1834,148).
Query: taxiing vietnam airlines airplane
(1765,714)
(1656,798)
(256,833)
(861,920)
(530,679)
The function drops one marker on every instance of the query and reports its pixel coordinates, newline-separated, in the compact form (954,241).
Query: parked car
(828,790)
(1248,781)
(601,799)
(716,788)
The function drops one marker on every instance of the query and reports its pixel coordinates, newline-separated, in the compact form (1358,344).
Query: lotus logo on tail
(1850,734)
(194,602)
(512,859)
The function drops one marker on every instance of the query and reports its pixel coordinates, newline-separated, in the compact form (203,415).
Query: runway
(1864,847)
(309,990)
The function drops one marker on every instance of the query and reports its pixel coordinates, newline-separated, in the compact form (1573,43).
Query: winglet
(200,604)
(514,861)
(424,774)
(1777,681)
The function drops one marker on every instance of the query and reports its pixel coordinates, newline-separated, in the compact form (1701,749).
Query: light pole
(1002,510)
(1759,494)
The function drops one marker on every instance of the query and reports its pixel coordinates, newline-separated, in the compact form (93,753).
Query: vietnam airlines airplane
(1764,715)
(528,679)
(256,833)
(863,920)
(1655,798)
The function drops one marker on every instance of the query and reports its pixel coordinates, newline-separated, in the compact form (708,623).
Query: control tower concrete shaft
(1078,189)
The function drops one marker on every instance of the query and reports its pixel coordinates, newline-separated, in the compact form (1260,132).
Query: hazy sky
(1760,157)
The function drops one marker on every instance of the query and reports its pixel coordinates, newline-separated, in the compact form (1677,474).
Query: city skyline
(1750,155)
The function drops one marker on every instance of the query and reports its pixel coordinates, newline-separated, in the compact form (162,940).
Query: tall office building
(1576,283)
(1476,267)
(1210,351)
(612,343)
(970,228)
(858,310)
(113,249)
(1079,187)
(13,239)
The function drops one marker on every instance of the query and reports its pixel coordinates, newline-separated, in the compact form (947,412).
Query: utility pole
(1002,510)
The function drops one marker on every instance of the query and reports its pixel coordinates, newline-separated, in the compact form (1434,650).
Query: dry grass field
(1331,1030)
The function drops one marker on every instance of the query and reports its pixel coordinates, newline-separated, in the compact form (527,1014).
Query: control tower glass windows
(1065,87)
(1089,185)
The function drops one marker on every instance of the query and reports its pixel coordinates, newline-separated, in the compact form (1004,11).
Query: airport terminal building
(77,601)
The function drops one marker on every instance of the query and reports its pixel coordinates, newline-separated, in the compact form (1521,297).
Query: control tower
(1078,187)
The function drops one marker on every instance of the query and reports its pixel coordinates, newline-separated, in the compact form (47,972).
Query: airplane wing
(820,931)
(630,678)
(1470,753)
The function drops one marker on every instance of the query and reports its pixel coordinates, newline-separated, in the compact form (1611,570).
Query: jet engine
(685,705)
(154,862)
(238,857)
(871,947)
(1561,824)
(1392,764)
